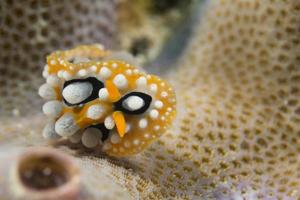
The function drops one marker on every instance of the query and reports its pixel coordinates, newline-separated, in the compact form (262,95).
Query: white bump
(128,72)
(169,109)
(52,62)
(47,92)
(77,60)
(156,127)
(60,73)
(146,135)
(128,126)
(127,144)
(163,118)
(158,104)
(109,123)
(135,71)
(106,146)
(143,123)
(114,65)
(93,68)
(76,137)
(136,142)
(162,84)
(120,81)
(52,108)
(103,94)
(53,80)
(105,72)
(164,94)
(49,131)
(66,125)
(77,92)
(67,75)
(115,138)
(45,73)
(141,82)
(154,114)
(153,87)
(90,137)
(133,103)
(95,112)
(100,46)
(82,73)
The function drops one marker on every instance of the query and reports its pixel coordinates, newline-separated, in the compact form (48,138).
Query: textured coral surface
(237,131)
(32,29)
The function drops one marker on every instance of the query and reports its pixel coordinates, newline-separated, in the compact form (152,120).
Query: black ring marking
(97,85)
(147,100)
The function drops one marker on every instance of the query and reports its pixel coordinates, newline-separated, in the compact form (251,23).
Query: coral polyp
(104,103)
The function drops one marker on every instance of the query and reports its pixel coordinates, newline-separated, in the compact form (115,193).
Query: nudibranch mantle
(107,104)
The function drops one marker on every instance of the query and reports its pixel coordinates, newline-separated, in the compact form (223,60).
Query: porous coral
(32,29)
(237,131)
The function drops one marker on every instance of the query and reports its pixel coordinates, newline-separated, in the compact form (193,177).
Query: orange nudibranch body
(103,103)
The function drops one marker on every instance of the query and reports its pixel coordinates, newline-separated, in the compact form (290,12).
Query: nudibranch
(104,103)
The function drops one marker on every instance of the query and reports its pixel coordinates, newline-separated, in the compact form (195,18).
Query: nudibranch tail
(103,103)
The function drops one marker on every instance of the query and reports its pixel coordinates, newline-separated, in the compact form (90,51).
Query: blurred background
(31,29)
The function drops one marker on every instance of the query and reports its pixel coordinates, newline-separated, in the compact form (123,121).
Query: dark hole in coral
(161,6)
(140,46)
(43,172)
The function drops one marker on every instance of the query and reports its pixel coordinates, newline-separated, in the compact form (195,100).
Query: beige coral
(237,131)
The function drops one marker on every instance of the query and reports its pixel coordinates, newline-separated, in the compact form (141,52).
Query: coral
(32,29)
(237,131)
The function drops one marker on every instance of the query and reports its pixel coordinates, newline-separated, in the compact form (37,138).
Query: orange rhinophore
(104,103)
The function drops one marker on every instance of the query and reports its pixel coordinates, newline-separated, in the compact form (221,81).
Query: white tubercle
(45,73)
(47,92)
(136,142)
(77,92)
(93,68)
(52,108)
(127,144)
(128,127)
(103,94)
(105,72)
(67,75)
(164,94)
(82,73)
(141,82)
(153,87)
(53,80)
(106,146)
(60,73)
(115,138)
(66,125)
(154,114)
(95,112)
(90,137)
(75,138)
(158,104)
(49,131)
(143,123)
(120,81)
(109,123)
(133,103)
(80,60)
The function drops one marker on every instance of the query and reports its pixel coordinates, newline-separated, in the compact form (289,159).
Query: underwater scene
(150,99)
